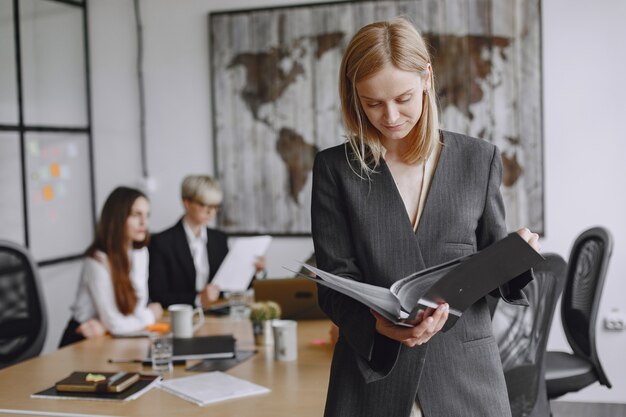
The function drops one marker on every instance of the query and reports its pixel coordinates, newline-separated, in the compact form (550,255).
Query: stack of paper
(211,387)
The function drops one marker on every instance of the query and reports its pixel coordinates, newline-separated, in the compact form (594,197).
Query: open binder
(460,282)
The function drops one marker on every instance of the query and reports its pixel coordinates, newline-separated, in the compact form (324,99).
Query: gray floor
(571,409)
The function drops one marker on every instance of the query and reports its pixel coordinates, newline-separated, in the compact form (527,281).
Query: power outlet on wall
(615,320)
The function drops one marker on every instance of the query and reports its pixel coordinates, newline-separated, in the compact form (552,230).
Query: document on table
(237,269)
(211,387)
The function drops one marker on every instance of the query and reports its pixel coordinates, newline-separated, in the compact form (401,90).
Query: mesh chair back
(23,323)
(589,259)
(522,335)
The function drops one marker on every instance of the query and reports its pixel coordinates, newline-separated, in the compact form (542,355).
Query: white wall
(59,284)
(178,119)
(585,149)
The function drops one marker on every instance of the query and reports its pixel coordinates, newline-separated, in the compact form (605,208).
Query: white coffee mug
(181,320)
(285,340)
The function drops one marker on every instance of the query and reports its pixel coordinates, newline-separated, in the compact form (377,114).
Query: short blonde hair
(391,42)
(201,188)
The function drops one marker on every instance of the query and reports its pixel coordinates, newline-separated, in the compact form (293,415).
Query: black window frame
(22,128)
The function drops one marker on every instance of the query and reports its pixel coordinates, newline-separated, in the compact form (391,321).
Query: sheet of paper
(237,270)
(211,387)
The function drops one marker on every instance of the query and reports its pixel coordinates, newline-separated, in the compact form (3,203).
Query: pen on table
(145,362)
(116,377)
(126,361)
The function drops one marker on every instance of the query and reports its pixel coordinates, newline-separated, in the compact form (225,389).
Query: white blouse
(95,298)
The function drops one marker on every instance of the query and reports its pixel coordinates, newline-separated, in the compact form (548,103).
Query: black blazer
(172,277)
(361,231)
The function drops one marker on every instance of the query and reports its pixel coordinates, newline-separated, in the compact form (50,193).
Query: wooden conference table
(298,387)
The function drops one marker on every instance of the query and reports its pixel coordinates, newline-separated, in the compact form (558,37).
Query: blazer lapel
(431,221)
(212,252)
(183,253)
(392,207)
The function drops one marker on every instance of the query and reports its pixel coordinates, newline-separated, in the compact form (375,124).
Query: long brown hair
(391,42)
(111,238)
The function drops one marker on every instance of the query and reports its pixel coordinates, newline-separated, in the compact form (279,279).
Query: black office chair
(570,372)
(522,335)
(23,323)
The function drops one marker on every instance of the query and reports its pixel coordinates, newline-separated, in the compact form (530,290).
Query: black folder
(460,282)
(204,347)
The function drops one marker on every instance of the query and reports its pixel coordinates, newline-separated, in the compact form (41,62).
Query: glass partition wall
(46,161)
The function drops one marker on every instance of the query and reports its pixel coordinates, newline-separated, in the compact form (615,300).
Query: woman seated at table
(113,291)
(185,257)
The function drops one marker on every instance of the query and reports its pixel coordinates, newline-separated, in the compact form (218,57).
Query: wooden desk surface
(298,388)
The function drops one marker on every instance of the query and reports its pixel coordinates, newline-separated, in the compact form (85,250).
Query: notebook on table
(211,387)
(97,382)
(142,385)
(203,347)
(211,365)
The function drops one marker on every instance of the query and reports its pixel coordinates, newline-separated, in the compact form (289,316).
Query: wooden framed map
(275,103)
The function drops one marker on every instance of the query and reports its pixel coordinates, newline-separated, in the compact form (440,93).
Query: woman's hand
(209,294)
(91,328)
(156,309)
(531,238)
(260,264)
(427,324)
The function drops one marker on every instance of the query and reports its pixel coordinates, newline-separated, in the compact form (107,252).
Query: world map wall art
(275,102)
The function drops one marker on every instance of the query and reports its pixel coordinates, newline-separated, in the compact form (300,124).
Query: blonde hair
(201,188)
(391,42)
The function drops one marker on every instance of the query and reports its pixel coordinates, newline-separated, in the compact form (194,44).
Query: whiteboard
(59,194)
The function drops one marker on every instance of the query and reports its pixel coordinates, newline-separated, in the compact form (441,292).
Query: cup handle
(200,322)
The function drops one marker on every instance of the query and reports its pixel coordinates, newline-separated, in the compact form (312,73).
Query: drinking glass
(161,349)
(239,302)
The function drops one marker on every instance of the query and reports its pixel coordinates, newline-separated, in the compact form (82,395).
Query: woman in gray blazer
(398,197)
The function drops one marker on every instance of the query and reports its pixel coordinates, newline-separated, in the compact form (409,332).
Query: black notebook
(138,388)
(460,282)
(204,347)
(211,365)
(97,381)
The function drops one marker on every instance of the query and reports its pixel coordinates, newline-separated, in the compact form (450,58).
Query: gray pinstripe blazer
(361,231)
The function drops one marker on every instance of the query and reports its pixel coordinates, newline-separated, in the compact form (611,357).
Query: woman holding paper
(185,257)
(400,196)
(113,291)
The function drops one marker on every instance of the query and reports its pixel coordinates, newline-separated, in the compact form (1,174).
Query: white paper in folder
(237,270)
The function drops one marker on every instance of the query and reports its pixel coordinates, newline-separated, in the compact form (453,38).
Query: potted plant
(261,314)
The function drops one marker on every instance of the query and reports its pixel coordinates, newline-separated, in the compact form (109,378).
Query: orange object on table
(159,327)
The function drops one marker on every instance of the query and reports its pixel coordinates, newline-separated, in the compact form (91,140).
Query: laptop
(297,297)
